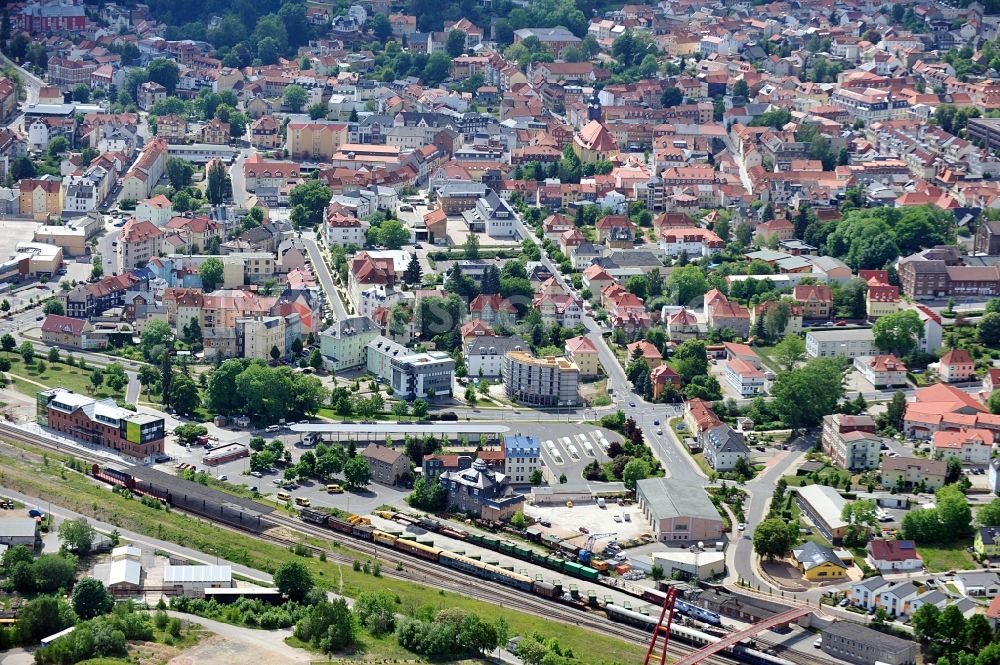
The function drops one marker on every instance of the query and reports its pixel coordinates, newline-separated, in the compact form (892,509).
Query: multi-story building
(840,343)
(582,352)
(881,300)
(42,197)
(694,242)
(970,446)
(723,447)
(482,491)
(882,371)
(421,375)
(257,336)
(259,173)
(522,457)
(150,93)
(315,140)
(138,242)
(546,381)
(987,238)
(492,309)
(850,441)
(870,105)
(265,133)
(484,354)
(171,128)
(140,180)
(343,229)
(956,365)
(344,344)
(816,300)
(387,465)
(8,98)
(491,215)
(101,423)
(744,378)
(942,407)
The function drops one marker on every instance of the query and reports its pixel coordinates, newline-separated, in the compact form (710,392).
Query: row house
(140,180)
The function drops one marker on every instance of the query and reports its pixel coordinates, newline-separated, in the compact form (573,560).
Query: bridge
(735,638)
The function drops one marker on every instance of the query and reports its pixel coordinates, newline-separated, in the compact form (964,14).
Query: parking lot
(623,522)
(567,449)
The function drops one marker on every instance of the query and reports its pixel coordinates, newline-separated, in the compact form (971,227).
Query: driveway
(233,644)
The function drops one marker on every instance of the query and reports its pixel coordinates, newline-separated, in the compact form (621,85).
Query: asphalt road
(240,194)
(322,271)
(675,459)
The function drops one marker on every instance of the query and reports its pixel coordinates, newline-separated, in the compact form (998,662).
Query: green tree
(925,622)
(154,338)
(309,201)
(211,272)
(436,69)
(472,246)
(27,352)
(54,306)
(179,172)
(804,395)
(994,402)
(771,538)
(380,27)
(634,471)
(691,359)
(789,352)
(413,272)
(357,472)
(898,332)
(391,234)
(96,379)
(8,343)
(293,579)
(219,184)
(455,44)
(988,330)
(420,409)
(91,599)
(77,535)
(81,93)
(54,572)
(184,395)
(295,97)
(43,616)
(687,284)
(316,359)
(165,72)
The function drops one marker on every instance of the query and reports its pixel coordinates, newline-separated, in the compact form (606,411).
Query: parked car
(631,404)
(818,642)
(741,526)
(256,474)
(843,602)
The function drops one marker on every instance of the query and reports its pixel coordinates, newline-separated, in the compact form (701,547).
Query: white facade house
(484,354)
(381,351)
(840,343)
(346,231)
(522,457)
(744,378)
(693,241)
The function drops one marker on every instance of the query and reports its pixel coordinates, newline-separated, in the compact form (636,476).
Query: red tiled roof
(892,550)
(55,323)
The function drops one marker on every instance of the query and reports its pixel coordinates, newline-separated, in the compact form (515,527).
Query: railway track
(414,569)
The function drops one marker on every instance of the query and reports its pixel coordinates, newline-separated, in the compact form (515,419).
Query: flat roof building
(854,643)
(838,342)
(541,382)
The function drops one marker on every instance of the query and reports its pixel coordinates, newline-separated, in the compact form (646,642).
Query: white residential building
(842,343)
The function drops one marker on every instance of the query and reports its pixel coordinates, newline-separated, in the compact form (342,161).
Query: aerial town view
(535,332)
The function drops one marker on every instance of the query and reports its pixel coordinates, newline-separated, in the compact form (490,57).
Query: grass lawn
(953,556)
(35,476)
(57,374)
(765,355)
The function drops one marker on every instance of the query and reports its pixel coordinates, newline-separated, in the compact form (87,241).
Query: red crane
(662,629)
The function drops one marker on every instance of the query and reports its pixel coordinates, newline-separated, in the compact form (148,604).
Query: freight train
(426,550)
(559,564)
(690,635)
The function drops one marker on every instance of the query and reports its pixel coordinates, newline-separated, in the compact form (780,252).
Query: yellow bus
(334,489)
(301,501)
(284,496)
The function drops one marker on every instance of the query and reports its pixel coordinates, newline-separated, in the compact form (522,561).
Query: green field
(75,492)
(953,556)
(56,374)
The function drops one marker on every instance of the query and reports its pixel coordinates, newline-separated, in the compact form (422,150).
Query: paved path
(133,388)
